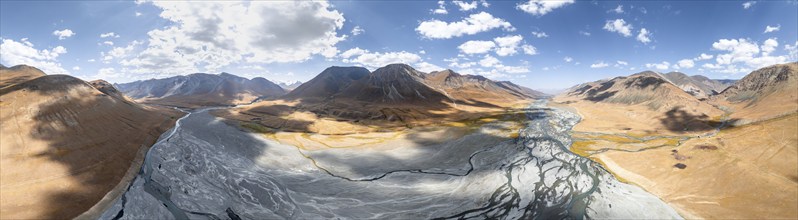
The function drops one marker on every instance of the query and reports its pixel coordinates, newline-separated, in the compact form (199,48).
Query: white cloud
(76,68)
(206,36)
(484,3)
(441,8)
(465,6)
(540,34)
(585,33)
(138,14)
(427,67)
(476,47)
(109,34)
(703,56)
(660,66)
(748,4)
(63,34)
(475,23)
(792,50)
(685,64)
(377,59)
(618,9)
(769,46)
(529,49)
(91,60)
(119,52)
(357,31)
(621,63)
(619,26)
(600,64)
(644,36)
(109,43)
(568,59)
(746,52)
(15,53)
(769,29)
(489,61)
(108,74)
(542,7)
(455,62)
(353,52)
(507,45)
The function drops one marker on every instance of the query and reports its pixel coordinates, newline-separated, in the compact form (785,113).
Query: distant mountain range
(201,89)
(289,86)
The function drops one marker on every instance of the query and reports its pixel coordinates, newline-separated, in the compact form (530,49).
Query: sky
(544,45)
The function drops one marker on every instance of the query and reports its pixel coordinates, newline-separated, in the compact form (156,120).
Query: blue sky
(539,44)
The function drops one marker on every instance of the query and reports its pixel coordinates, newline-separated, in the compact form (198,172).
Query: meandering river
(206,169)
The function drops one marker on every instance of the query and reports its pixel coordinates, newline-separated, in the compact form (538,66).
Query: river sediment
(204,168)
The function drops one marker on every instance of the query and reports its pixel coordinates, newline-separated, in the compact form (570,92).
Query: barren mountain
(65,144)
(697,85)
(201,89)
(643,102)
(391,96)
(687,155)
(763,94)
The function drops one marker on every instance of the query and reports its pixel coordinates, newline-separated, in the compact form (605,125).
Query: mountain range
(201,89)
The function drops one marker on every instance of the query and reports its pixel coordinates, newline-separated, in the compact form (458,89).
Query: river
(206,169)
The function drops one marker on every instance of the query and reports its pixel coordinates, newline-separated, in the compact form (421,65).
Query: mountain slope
(201,89)
(65,144)
(349,99)
(289,86)
(643,102)
(763,94)
(696,85)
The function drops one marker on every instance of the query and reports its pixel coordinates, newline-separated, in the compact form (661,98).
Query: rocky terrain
(731,155)
(766,93)
(201,89)
(66,144)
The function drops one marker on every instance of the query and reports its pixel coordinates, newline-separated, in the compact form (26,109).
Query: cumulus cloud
(540,34)
(644,36)
(109,34)
(600,64)
(353,52)
(792,50)
(109,43)
(23,52)
(464,6)
(748,4)
(584,33)
(684,64)
(377,59)
(357,31)
(747,52)
(619,26)
(455,62)
(476,47)
(489,61)
(76,68)
(63,34)
(568,59)
(427,67)
(621,63)
(484,3)
(475,23)
(529,49)
(703,56)
(441,8)
(660,66)
(769,28)
(210,35)
(507,45)
(542,7)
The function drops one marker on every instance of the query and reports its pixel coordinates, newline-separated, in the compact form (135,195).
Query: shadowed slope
(65,144)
